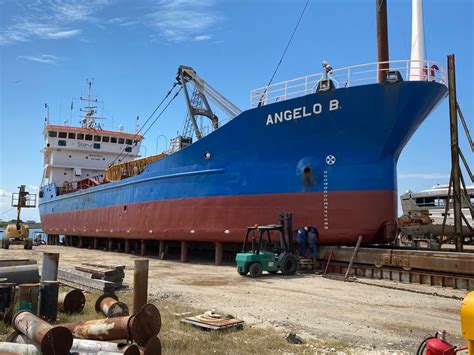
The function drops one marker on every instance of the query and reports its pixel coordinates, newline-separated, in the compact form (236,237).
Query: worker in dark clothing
(302,240)
(312,237)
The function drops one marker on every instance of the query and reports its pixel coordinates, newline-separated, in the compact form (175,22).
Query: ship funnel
(417,42)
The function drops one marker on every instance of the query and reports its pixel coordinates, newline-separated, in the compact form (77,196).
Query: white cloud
(33,187)
(180,20)
(202,37)
(43,58)
(49,19)
(5,194)
(424,176)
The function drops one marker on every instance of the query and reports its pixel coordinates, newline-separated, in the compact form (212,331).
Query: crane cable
(284,52)
(148,119)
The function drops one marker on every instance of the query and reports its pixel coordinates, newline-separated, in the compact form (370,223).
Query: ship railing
(362,74)
(69,187)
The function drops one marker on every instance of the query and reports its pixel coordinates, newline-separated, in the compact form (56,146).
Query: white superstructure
(75,154)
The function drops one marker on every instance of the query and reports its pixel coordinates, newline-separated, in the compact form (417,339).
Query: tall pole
(455,169)
(382,37)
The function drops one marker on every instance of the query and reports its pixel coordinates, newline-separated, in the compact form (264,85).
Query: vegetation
(180,338)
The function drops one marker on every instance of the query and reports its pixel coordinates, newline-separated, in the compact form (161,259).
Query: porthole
(207,155)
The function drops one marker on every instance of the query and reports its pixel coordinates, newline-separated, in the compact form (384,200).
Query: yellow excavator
(18,233)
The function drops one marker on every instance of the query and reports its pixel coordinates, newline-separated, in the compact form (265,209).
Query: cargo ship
(324,147)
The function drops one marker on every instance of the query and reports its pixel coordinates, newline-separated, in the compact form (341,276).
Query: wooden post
(161,250)
(81,242)
(127,246)
(218,253)
(184,251)
(109,244)
(382,38)
(327,263)
(140,284)
(95,242)
(356,249)
(455,169)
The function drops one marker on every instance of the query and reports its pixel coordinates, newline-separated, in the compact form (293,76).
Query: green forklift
(261,253)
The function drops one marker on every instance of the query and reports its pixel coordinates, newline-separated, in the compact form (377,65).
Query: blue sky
(132,50)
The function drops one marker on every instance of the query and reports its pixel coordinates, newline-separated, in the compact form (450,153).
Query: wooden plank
(83,281)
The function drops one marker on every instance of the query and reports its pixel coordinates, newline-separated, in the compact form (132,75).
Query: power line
(148,119)
(286,48)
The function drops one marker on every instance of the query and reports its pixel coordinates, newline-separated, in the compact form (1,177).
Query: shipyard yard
(363,315)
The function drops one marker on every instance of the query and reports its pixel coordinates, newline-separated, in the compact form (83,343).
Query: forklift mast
(286,222)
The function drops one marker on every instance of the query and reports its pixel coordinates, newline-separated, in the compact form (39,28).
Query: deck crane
(205,92)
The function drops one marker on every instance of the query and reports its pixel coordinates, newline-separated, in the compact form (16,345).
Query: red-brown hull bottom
(224,219)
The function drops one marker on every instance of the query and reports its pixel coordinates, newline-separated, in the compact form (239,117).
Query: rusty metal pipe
(51,339)
(86,346)
(139,327)
(15,348)
(140,284)
(110,306)
(48,304)
(49,271)
(20,274)
(71,302)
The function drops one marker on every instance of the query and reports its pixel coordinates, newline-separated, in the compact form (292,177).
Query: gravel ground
(368,314)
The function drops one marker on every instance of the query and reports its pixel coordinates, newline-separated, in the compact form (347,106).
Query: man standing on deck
(302,239)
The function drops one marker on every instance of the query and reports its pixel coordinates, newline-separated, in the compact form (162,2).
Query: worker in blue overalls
(312,237)
(302,240)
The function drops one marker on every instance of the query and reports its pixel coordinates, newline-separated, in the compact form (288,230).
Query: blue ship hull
(329,158)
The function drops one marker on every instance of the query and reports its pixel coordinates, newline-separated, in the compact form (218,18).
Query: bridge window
(52,134)
(113,139)
(71,135)
(96,138)
(80,136)
(62,142)
(136,141)
(128,141)
(105,139)
(62,135)
(96,145)
(121,140)
(128,149)
(88,137)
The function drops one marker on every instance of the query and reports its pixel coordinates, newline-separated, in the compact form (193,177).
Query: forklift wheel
(5,243)
(255,270)
(289,264)
(29,243)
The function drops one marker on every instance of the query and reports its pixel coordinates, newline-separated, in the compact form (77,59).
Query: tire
(242,273)
(255,270)
(5,243)
(289,264)
(29,243)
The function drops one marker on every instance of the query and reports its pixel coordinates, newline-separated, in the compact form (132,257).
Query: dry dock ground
(367,315)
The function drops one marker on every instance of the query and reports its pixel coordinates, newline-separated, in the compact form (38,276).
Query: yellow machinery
(130,168)
(18,233)
(467,321)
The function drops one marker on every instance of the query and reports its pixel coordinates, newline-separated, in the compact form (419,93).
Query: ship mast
(382,38)
(88,121)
